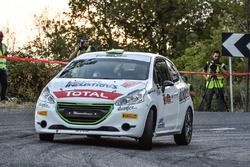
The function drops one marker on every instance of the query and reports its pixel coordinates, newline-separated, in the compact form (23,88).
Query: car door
(180,89)
(168,116)
(183,92)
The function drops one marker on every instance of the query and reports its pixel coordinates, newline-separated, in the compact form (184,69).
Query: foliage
(16,105)
(158,26)
(27,79)
(202,50)
(185,31)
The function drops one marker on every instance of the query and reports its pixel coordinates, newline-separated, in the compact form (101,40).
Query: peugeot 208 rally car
(117,93)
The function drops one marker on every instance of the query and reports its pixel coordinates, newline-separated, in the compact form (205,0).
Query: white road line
(217,129)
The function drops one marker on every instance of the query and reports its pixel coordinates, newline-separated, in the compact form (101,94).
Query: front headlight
(134,97)
(46,96)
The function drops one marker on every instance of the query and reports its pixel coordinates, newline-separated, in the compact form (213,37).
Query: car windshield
(108,68)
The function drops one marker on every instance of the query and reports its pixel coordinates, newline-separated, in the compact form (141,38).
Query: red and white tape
(62,62)
(32,60)
(214,74)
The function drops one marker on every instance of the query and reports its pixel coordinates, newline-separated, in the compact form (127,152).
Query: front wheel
(46,136)
(186,134)
(145,141)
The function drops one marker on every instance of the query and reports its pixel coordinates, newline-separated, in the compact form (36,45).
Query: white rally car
(117,93)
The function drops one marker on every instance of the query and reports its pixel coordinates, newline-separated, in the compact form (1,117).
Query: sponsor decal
(161,123)
(87,94)
(126,108)
(42,113)
(81,131)
(168,99)
(90,84)
(129,116)
(184,94)
(129,84)
(76,113)
(43,105)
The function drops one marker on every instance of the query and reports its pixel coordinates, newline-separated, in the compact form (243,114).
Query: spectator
(214,83)
(82,47)
(3,69)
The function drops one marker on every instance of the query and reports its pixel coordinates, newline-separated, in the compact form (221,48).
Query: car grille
(103,128)
(81,114)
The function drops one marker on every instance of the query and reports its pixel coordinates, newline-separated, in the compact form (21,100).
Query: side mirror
(168,83)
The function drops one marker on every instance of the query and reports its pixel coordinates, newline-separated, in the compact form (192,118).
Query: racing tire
(46,136)
(186,134)
(145,141)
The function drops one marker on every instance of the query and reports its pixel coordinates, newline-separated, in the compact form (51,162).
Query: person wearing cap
(3,69)
(82,47)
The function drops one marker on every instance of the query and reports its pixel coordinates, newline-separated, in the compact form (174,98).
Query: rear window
(101,68)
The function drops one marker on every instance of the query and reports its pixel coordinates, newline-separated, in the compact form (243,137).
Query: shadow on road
(124,143)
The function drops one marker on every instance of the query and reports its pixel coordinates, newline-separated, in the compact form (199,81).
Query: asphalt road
(219,139)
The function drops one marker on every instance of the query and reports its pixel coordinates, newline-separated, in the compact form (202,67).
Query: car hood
(73,90)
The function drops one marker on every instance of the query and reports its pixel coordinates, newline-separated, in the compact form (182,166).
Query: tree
(180,29)
(160,26)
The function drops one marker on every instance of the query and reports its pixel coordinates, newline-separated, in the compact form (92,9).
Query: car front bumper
(121,121)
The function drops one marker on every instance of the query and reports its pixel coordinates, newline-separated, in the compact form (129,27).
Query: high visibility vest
(3,52)
(87,50)
(215,81)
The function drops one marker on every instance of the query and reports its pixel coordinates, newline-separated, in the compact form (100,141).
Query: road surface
(219,139)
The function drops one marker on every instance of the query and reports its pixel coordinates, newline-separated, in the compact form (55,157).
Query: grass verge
(14,105)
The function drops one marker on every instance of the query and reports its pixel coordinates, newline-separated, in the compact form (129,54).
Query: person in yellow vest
(214,84)
(82,47)
(3,69)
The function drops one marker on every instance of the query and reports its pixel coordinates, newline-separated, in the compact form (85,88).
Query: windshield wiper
(80,63)
(89,61)
(70,67)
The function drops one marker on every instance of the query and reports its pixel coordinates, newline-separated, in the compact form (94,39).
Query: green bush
(27,79)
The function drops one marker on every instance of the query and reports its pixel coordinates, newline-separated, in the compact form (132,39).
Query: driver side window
(173,72)
(161,72)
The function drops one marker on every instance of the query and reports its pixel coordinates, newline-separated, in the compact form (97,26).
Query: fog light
(125,127)
(43,124)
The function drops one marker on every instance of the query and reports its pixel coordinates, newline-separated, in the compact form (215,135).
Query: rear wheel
(145,141)
(186,134)
(46,136)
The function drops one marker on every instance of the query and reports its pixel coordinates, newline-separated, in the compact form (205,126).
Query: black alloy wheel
(186,134)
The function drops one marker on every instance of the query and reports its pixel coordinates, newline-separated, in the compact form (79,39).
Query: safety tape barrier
(214,74)
(61,62)
(32,60)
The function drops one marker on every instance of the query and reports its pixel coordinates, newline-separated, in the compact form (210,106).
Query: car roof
(142,56)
